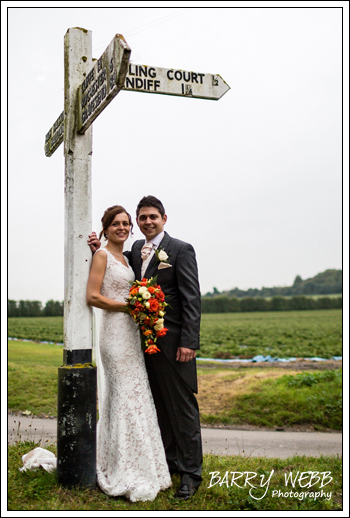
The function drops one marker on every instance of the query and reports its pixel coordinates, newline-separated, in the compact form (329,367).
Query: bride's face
(119,230)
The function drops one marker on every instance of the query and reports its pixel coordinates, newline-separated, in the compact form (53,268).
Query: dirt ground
(297,365)
(212,382)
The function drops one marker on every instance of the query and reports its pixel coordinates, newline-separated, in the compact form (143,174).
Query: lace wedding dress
(130,454)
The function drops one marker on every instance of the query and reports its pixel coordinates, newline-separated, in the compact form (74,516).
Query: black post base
(76,426)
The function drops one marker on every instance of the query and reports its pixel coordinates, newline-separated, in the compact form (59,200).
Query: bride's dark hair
(108,217)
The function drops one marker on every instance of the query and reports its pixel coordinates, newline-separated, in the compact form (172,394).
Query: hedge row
(231,305)
(34,308)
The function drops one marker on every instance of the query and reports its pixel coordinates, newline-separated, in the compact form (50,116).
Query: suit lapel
(153,265)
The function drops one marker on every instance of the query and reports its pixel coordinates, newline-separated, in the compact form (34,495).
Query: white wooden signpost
(90,85)
(139,78)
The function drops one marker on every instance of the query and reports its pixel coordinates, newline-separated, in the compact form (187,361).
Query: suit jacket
(181,288)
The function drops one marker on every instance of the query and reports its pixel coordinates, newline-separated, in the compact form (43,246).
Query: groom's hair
(150,201)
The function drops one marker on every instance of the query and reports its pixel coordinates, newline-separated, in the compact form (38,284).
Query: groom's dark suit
(173,382)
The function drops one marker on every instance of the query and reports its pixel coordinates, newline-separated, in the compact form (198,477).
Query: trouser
(178,418)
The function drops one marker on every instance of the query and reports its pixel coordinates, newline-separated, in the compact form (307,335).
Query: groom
(172,372)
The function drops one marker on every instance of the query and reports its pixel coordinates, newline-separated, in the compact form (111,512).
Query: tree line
(224,304)
(325,283)
(34,308)
(221,304)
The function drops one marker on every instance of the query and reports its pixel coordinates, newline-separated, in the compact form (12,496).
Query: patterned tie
(146,250)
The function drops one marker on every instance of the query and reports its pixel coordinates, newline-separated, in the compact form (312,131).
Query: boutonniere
(162,258)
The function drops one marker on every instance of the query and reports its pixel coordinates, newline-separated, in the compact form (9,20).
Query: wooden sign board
(103,82)
(113,72)
(168,81)
(54,137)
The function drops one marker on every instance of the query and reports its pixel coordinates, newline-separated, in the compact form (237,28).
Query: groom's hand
(184,354)
(93,242)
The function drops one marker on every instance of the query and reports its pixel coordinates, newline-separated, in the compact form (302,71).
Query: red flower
(162,332)
(153,305)
(152,349)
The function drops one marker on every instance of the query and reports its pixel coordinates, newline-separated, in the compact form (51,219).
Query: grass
(270,398)
(32,376)
(225,335)
(257,396)
(39,490)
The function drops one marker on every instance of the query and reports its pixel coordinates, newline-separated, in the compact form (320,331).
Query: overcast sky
(253,181)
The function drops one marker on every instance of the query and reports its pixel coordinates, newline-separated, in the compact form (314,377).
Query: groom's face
(151,222)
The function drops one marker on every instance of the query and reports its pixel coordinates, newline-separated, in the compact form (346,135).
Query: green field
(258,396)
(277,333)
(48,329)
(282,334)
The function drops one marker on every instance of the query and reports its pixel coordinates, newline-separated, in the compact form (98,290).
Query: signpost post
(76,411)
(89,88)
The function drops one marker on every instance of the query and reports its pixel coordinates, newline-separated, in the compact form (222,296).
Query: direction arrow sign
(103,82)
(106,79)
(168,81)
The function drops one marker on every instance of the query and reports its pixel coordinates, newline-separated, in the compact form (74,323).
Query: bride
(130,455)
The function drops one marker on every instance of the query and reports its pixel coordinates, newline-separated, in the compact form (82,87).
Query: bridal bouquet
(146,303)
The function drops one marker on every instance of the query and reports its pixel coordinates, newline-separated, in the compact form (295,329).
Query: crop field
(48,329)
(282,334)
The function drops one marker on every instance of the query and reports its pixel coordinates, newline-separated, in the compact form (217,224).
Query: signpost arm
(76,415)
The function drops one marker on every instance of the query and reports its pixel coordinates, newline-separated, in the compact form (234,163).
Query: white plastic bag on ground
(39,457)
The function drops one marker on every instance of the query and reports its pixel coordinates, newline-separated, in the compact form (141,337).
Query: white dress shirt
(156,242)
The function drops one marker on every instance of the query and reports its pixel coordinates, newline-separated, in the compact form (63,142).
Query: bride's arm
(93,292)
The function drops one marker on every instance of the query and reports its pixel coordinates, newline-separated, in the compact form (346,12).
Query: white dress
(130,455)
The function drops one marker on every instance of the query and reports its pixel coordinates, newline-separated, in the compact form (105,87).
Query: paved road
(216,441)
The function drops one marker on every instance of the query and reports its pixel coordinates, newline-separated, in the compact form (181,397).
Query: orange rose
(162,332)
(134,291)
(148,332)
(152,349)
(151,289)
(153,305)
